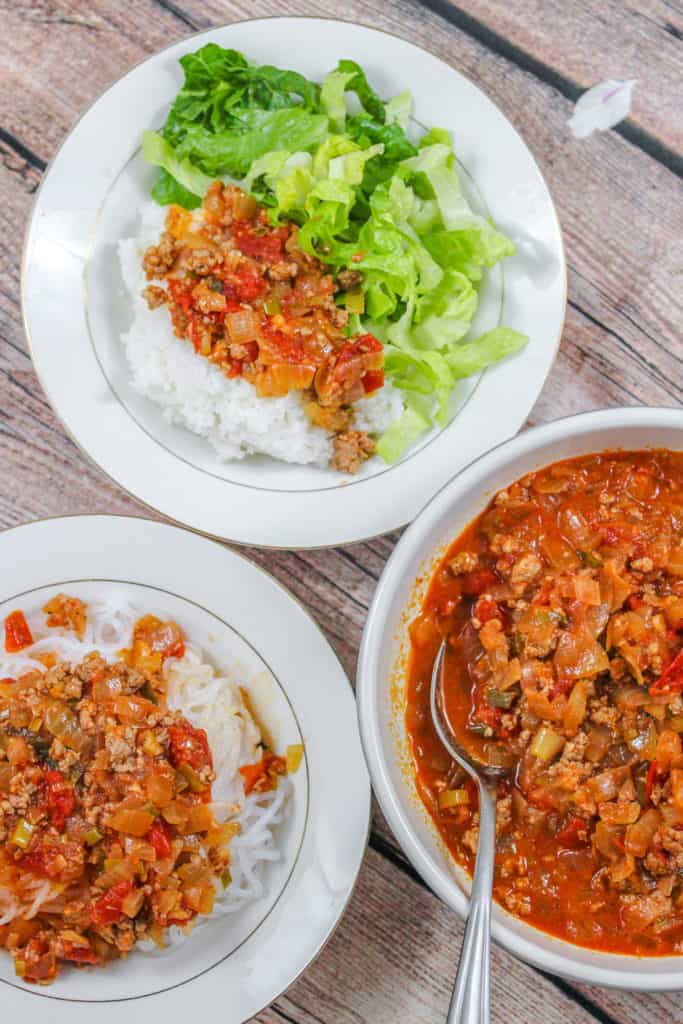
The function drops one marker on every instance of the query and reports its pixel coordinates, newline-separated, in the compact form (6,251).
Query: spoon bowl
(467,759)
(471,992)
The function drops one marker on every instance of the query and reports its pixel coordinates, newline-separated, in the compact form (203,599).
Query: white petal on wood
(603,106)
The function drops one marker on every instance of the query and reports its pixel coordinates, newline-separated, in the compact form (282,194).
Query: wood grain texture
(592,41)
(621,212)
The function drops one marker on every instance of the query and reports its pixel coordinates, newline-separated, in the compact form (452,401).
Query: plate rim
(346,535)
(67,1004)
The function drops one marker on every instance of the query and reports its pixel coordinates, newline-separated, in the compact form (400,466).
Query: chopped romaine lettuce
(332,97)
(338,161)
(181,171)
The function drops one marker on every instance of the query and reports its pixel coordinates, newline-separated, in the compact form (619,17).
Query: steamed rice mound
(196,394)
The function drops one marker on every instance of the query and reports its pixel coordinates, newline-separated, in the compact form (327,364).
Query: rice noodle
(210,701)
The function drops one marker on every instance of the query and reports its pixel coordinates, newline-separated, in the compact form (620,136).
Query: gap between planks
(524,60)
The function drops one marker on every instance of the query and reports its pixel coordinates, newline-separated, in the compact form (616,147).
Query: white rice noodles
(210,701)
(196,394)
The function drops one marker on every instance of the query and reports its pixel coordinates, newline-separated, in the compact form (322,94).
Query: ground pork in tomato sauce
(252,302)
(563,608)
(107,835)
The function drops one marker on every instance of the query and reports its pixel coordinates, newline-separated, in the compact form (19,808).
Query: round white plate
(76,309)
(231,967)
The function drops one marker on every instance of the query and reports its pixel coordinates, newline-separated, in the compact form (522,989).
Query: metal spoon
(470,999)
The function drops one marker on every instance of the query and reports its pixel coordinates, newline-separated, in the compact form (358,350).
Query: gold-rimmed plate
(76,308)
(247,625)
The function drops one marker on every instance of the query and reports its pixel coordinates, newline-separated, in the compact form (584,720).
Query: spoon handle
(470,1000)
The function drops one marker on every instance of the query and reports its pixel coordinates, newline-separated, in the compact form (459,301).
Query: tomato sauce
(562,604)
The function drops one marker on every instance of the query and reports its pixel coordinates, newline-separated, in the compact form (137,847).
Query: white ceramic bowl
(381,675)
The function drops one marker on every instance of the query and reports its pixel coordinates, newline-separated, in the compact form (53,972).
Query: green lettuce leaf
(398,109)
(358,83)
(256,133)
(332,97)
(182,179)
(402,433)
(219,81)
(365,197)
(474,356)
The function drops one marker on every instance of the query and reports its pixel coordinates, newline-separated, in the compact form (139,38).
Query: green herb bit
(355,301)
(590,558)
(501,698)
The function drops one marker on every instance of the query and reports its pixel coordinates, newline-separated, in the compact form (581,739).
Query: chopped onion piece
(546,744)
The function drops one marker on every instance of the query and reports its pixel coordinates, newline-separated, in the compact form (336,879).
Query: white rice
(194,393)
(210,701)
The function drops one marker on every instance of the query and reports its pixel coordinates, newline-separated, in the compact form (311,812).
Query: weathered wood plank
(394,955)
(396,948)
(598,39)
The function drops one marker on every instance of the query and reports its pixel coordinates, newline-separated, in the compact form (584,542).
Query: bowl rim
(529,945)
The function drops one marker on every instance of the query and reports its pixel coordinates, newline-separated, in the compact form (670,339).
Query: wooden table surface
(619,199)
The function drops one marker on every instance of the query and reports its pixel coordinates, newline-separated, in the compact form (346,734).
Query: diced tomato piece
(368,343)
(671,679)
(53,860)
(634,602)
(373,380)
(249,286)
(189,746)
(79,954)
(259,242)
(61,798)
(569,836)
(472,790)
(261,777)
(40,961)
(486,608)
(108,909)
(489,715)
(251,351)
(478,581)
(160,837)
(286,347)
(17,633)
(180,292)
(561,686)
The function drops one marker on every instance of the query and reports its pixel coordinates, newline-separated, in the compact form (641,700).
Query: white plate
(383,658)
(75,307)
(233,966)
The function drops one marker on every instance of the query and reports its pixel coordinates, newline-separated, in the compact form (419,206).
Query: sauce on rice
(253,303)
